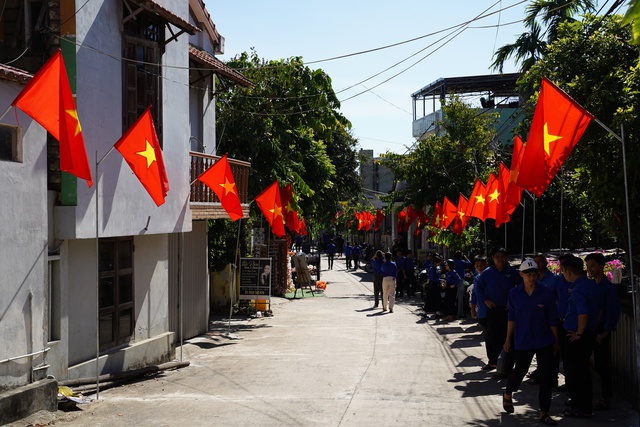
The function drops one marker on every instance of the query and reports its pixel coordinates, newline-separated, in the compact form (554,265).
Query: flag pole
(561,204)
(5,112)
(524,205)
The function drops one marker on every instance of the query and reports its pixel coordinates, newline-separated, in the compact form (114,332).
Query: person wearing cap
(389,273)
(531,330)
(494,285)
(580,323)
(479,311)
(609,316)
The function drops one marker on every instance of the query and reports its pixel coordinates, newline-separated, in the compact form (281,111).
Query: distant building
(496,92)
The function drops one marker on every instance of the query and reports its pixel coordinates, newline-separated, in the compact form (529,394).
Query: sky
(379,91)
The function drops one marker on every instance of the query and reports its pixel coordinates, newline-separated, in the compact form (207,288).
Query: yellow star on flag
(74,114)
(494,196)
(548,139)
(289,208)
(444,217)
(149,153)
(437,219)
(461,214)
(276,211)
(229,187)
(480,199)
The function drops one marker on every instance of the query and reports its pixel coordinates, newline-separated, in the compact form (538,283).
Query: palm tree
(552,13)
(530,46)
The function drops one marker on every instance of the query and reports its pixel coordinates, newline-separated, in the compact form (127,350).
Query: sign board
(255,278)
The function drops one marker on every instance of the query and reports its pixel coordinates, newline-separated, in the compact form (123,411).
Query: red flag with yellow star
(505,209)
(436,219)
(461,219)
(290,214)
(379,219)
(48,100)
(220,180)
(412,214)
(141,150)
(449,212)
(423,221)
(557,125)
(492,197)
(269,203)
(475,207)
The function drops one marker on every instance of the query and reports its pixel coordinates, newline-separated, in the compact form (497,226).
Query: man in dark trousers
(580,323)
(494,285)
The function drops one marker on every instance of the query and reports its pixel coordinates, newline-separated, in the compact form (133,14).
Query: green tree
(593,61)
(288,125)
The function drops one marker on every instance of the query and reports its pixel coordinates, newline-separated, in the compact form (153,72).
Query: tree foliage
(289,127)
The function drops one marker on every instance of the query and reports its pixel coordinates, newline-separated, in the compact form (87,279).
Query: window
(54,298)
(10,143)
(115,289)
(142,71)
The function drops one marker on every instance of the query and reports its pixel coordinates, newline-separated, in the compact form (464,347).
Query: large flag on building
(449,212)
(220,180)
(48,100)
(557,125)
(269,203)
(290,214)
(475,207)
(141,150)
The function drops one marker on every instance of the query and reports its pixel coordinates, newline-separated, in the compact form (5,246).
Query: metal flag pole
(98,273)
(561,205)
(524,205)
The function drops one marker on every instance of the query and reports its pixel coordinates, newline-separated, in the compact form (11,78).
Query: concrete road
(331,360)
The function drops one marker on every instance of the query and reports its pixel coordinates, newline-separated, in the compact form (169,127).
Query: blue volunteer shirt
(426,265)
(347,250)
(389,269)
(460,265)
(401,262)
(434,274)
(356,250)
(452,278)
(331,248)
(610,306)
(481,309)
(377,265)
(562,290)
(409,264)
(548,279)
(583,299)
(533,316)
(495,285)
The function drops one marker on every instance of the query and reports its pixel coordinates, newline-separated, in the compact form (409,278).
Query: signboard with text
(255,278)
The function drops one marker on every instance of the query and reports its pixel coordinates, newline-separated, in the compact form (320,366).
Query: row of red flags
(48,100)
(557,125)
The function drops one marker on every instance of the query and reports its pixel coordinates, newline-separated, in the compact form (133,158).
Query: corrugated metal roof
(218,66)
(14,74)
(499,84)
(167,15)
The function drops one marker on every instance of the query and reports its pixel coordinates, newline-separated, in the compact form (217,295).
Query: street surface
(331,360)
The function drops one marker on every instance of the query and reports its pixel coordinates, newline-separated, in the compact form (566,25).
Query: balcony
(203,202)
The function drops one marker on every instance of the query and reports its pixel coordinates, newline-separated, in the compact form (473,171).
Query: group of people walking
(567,317)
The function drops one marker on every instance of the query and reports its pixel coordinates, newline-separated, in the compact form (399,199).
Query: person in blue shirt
(453,281)
(580,323)
(377,262)
(462,264)
(347,255)
(330,250)
(401,261)
(409,273)
(609,316)
(356,250)
(532,330)
(494,285)
(433,301)
(479,311)
(389,274)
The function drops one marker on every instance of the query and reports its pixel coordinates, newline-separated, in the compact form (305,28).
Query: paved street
(331,360)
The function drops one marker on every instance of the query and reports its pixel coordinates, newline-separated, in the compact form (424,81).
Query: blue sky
(316,31)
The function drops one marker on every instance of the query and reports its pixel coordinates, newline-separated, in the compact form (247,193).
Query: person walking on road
(377,262)
(479,311)
(532,330)
(389,273)
(347,255)
(330,249)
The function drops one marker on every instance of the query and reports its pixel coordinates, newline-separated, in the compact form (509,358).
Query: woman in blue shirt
(532,330)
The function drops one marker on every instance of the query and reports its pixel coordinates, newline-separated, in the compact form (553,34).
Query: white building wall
(125,206)
(23,249)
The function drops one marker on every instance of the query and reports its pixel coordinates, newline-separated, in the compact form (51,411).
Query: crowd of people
(523,312)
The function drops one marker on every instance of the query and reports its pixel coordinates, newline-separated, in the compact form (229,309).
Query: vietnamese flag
(514,191)
(370,218)
(461,219)
(220,180)
(302,230)
(449,213)
(475,207)
(48,100)
(140,148)
(290,214)
(504,210)
(492,197)
(436,219)
(379,219)
(412,214)
(269,203)
(557,125)
(402,218)
(423,220)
